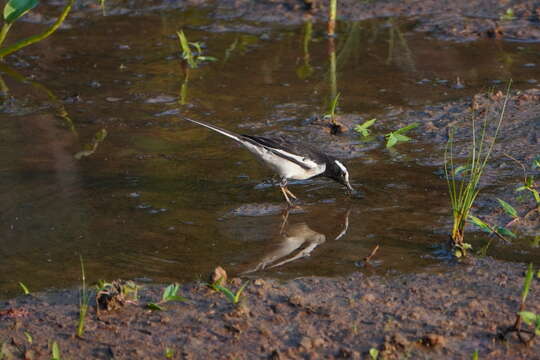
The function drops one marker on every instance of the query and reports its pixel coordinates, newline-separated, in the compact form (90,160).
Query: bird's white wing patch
(304,160)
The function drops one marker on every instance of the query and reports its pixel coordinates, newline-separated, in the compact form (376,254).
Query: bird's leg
(284,190)
(290,193)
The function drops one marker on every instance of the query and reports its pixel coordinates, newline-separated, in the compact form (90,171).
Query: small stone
(433,340)
(368,298)
(306,343)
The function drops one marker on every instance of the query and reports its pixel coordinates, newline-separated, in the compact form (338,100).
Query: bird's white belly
(286,168)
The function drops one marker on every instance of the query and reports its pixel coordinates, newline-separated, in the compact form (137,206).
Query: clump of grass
(234,297)
(169,294)
(395,137)
(464,193)
(84,300)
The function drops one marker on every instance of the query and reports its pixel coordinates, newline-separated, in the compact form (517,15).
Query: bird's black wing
(301,154)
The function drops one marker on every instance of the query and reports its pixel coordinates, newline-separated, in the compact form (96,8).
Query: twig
(367,259)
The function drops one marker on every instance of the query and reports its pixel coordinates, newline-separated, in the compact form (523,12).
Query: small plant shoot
(169,294)
(363,129)
(192,59)
(395,137)
(24,288)
(233,297)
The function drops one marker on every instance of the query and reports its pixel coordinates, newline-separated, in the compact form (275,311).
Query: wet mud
(443,313)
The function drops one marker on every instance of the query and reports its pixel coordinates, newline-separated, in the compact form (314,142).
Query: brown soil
(443,314)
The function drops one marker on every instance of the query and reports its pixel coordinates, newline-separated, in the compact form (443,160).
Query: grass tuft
(464,193)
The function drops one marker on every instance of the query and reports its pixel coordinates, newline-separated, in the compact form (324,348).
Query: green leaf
(505,232)
(154,306)
(55,351)
(392,140)
(207,58)
(509,209)
(475,355)
(406,128)
(462,168)
(482,225)
(402,138)
(169,292)
(333,105)
(373,353)
(24,288)
(225,291)
(28,337)
(527,283)
(521,188)
(239,292)
(169,353)
(536,162)
(177,298)
(14,9)
(186,51)
(528,317)
(363,128)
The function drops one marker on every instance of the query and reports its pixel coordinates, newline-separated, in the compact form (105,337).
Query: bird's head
(339,173)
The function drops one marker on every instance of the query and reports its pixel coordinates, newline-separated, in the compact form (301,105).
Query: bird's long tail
(217,129)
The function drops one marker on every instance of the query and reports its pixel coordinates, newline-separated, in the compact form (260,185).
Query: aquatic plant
(464,194)
(373,353)
(84,300)
(169,294)
(192,59)
(331,113)
(394,137)
(169,353)
(14,10)
(91,148)
(363,129)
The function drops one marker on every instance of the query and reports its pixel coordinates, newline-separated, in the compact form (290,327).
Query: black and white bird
(289,159)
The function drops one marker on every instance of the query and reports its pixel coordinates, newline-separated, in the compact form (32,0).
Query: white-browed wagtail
(289,159)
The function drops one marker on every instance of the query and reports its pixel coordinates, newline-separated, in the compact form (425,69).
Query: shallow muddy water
(163,200)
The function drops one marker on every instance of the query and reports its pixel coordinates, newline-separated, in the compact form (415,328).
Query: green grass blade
(55,351)
(527,283)
(24,288)
(239,292)
(509,209)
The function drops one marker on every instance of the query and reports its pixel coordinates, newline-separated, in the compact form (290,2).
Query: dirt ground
(442,314)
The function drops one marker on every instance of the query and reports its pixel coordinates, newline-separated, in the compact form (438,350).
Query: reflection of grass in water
(59,106)
(399,53)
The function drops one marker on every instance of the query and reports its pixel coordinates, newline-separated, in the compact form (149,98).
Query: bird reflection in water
(295,241)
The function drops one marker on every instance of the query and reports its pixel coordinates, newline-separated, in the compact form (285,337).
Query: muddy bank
(446,313)
(449,20)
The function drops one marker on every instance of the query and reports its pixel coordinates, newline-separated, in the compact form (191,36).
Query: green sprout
(508,15)
(84,301)
(192,59)
(394,137)
(363,129)
(233,297)
(169,294)
(55,351)
(373,353)
(24,288)
(331,113)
